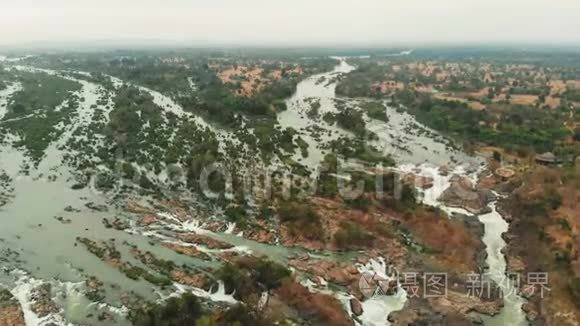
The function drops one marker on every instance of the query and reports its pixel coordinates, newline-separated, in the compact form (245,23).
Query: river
(416,149)
(37,248)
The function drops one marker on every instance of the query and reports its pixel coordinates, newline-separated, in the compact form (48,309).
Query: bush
(182,311)
(575,290)
(352,235)
(577,134)
(302,218)
(252,275)
(361,203)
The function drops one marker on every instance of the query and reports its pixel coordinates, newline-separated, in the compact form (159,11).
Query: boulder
(530,310)
(418,181)
(463,304)
(356,307)
(339,273)
(148,219)
(462,194)
(204,240)
(43,305)
(10,310)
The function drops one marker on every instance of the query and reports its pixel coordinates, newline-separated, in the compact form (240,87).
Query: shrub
(575,289)
(302,218)
(352,235)
(577,134)
(182,311)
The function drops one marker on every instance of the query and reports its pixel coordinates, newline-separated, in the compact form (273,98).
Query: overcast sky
(291,22)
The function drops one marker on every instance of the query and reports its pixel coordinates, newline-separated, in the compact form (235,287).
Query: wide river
(36,247)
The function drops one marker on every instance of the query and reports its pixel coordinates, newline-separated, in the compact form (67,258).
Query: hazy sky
(291,22)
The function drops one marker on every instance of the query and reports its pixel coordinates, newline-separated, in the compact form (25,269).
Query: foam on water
(494,226)
(230,227)
(377,308)
(219,295)
(22,291)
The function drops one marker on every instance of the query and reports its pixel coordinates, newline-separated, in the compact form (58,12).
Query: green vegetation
(182,311)
(301,218)
(375,110)
(250,276)
(41,92)
(352,235)
(360,149)
(187,310)
(33,114)
(358,83)
(575,289)
(520,128)
(548,199)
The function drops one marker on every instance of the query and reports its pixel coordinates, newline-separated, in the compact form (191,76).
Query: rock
(515,265)
(204,240)
(463,303)
(148,220)
(63,220)
(188,251)
(318,308)
(42,301)
(199,281)
(71,209)
(134,207)
(116,224)
(530,310)
(105,316)
(335,272)
(95,207)
(303,257)
(417,316)
(461,193)
(390,288)
(356,307)
(262,236)
(418,181)
(10,311)
(176,208)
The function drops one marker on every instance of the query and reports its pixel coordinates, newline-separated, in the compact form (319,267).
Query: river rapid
(36,248)
(419,150)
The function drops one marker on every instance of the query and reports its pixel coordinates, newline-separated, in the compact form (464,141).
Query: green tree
(577,134)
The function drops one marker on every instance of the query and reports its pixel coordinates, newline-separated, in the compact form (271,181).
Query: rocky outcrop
(316,308)
(117,224)
(418,181)
(204,240)
(176,208)
(417,316)
(262,236)
(148,220)
(530,310)
(260,232)
(463,303)
(200,281)
(332,271)
(186,250)
(356,307)
(476,227)
(43,304)
(135,207)
(462,194)
(10,310)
